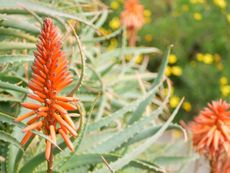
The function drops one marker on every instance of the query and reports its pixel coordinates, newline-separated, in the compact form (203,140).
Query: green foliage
(190,25)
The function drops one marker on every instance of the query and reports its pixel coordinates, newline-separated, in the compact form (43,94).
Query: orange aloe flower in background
(49,76)
(133,19)
(211,133)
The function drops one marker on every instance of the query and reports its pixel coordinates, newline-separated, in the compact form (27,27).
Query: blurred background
(200,33)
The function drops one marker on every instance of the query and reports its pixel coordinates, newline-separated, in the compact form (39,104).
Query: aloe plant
(121,103)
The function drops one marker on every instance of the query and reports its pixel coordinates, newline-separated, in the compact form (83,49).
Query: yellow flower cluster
(205,58)
(174,101)
(210,59)
(187,106)
(138,59)
(147,16)
(114,5)
(220,3)
(224,86)
(223,81)
(115,23)
(197,16)
(174,69)
(148,37)
(172,59)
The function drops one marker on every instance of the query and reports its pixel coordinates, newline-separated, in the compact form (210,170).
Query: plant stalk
(213,165)
(50,161)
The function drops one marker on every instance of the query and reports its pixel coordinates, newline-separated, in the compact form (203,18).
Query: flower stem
(213,164)
(50,162)
(132,37)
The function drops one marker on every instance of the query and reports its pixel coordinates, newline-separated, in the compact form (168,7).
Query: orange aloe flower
(49,76)
(226,167)
(211,133)
(220,164)
(133,19)
(211,129)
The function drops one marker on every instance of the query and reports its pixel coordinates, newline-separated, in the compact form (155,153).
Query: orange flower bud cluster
(49,76)
(133,19)
(211,135)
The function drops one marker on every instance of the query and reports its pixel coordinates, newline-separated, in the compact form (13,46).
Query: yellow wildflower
(220,3)
(197,16)
(176,70)
(139,59)
(187,106)
(225,90)
(228,17)
(199,57)
(208,59)
(147,13)
(148,37)
(223,80)
(172,59)
(174,101)
(114,5)
(115,23)
(168,71)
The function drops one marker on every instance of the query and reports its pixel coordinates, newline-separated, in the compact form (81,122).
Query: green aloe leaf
(129,50)
(167,160)
(5,45)
(143,102)
(16,22)
(148,132)
(128,157)
(8,138)
(13,7)
(15,58)
(9,86)
(92,159)
(124,135)
(141,107)
(10,120)
(17,33)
